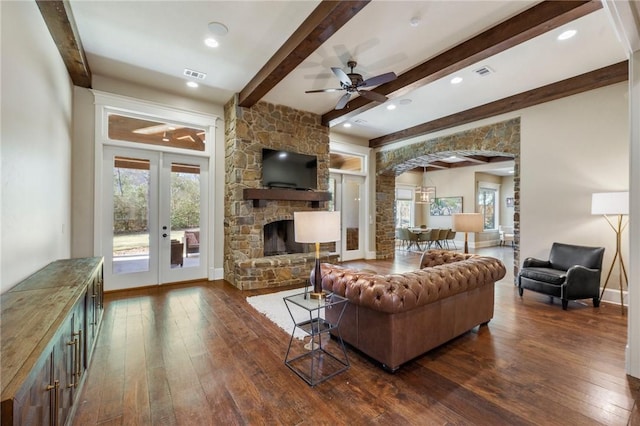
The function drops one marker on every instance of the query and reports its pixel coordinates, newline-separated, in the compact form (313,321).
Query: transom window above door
(134,129)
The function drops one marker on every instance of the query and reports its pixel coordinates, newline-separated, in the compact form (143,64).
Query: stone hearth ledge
(277,271)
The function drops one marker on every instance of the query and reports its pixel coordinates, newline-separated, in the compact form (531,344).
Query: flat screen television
(284,169)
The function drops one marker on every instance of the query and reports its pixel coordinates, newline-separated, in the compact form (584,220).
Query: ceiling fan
(353,82)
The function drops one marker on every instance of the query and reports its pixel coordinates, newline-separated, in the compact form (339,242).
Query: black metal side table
(316,359)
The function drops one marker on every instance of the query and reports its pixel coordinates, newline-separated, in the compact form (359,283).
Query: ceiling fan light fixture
(353,82)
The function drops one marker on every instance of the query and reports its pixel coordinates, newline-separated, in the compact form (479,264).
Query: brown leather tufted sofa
(397,317)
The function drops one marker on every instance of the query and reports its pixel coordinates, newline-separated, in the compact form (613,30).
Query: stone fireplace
(253,257)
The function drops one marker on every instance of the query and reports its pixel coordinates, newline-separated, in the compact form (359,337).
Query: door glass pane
(332,208)
(351,214)
(185,215)
(130,215)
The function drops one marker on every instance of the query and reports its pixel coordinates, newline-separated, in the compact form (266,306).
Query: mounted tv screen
(283,169)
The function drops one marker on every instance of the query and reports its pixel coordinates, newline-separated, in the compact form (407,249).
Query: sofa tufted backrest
(394,293)
(433,258)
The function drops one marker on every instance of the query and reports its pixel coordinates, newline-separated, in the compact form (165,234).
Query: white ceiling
(151,42)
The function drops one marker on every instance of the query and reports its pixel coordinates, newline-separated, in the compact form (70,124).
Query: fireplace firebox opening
(279,238)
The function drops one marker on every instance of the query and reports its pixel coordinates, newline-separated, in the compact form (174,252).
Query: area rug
(272,306)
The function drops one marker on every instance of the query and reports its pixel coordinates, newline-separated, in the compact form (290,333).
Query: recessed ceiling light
(218,28)
(192,84)
(567,34)
(414,22)
(347,125)
(456,80)
(404,101)
(391,107)
(510,171)
(211,42)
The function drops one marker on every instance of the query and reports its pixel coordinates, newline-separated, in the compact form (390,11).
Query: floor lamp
(316,227)
(467,222)
(613,203)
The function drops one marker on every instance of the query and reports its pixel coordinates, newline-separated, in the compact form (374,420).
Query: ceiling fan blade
(343,101)
(372,95)
(344,78)
(323,90)
(379,79)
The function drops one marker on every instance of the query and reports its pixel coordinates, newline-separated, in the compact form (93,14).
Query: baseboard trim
(612,295)
(216,274)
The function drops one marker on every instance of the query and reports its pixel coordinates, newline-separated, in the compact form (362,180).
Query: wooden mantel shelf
(261,195)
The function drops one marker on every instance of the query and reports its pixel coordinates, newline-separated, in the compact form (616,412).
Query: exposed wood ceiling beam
(537,20)
(324,21)
(58,17)
(592,80)
(476,159)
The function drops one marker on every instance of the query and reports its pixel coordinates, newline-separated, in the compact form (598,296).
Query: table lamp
(316,227)
(467,222)
(613,203)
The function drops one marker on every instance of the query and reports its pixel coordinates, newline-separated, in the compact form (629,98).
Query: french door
(348,195)
(155,208)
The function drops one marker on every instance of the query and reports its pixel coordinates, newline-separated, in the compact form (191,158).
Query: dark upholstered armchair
(571,273)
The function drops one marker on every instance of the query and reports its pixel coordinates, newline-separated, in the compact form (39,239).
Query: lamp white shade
(610,203)
(316,226)
(467,222)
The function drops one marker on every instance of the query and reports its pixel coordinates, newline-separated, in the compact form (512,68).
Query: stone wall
(499,138)
(247,131)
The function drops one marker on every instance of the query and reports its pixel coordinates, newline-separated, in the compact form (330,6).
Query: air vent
(360,121)
(484,71)
(194,74)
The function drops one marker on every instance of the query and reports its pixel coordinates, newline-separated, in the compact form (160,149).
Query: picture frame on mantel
(446,206)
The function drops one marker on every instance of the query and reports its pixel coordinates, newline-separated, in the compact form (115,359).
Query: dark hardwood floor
(198,354)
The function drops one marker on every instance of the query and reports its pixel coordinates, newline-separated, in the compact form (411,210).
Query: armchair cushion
(548,275)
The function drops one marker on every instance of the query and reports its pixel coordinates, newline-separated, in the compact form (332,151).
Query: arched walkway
(502,138)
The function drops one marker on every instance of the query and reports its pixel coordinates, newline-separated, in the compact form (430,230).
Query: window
(131,129)
(487,206)
(346,162)
(404,207)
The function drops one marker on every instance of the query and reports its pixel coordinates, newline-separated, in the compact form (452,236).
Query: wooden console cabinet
(50,322)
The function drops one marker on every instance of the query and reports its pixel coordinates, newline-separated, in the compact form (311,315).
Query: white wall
(506,191)
(571,148)
(84,166)
(36,146)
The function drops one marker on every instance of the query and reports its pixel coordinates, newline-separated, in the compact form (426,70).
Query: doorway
(154,227)
(348,195)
